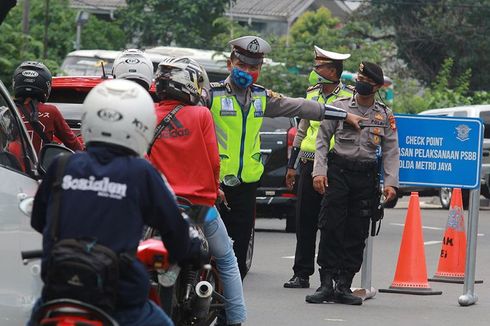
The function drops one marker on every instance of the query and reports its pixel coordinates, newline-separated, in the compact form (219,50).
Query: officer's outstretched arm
(334,113)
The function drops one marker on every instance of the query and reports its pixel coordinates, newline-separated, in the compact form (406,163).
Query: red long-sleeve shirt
(52,124)
(186,152)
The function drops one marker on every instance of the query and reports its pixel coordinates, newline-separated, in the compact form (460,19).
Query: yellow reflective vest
(308,144)
(237,132)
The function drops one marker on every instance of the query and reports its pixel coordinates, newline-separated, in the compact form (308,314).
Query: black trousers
(307,210)
(344,219)
(240,219)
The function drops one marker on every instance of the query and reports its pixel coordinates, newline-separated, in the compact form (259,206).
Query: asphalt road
(270,304)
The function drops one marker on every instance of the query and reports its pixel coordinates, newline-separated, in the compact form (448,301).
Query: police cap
(329,56)
(250,49)
(372,71)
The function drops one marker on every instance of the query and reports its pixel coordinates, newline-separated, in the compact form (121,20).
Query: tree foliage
(429,31)
(322,29)
(165,22)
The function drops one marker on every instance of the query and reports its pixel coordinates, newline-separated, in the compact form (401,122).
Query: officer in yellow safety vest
(325,88)
(238,107)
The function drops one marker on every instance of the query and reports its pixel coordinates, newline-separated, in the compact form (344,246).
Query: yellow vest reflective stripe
(309,142)
(238,134)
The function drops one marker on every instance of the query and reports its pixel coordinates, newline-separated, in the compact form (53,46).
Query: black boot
(297,282)
(343,293)
(325,292)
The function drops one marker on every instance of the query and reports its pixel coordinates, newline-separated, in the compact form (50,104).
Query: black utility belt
(352,165)
(306,156)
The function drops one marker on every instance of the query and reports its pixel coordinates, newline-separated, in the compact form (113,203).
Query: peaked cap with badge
(329,56)
(372,71)
(250,49)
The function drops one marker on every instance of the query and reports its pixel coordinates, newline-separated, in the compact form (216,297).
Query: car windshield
(85,66)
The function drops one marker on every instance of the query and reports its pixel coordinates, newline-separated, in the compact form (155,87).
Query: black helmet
(32,79)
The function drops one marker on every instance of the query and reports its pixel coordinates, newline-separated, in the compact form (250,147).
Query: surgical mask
(315,78)
(241,78)
(364,88)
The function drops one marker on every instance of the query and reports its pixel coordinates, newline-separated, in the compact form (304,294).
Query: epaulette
(311,88)
(220,84)
(258,88)
(350,88)
(384,106)
(271,93)
(343,98)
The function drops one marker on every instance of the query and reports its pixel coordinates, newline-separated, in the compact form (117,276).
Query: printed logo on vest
(258,108)
(227,108)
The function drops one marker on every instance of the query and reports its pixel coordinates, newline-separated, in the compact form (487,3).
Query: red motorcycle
(190,296)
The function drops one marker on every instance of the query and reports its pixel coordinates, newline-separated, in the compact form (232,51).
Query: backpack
(79,268)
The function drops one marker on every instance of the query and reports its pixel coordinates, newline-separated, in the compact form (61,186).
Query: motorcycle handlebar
(31,254)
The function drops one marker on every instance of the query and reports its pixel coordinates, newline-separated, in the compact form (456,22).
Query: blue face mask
(241,78)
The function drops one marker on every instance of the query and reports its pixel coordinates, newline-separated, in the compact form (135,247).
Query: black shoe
(343,293)
(298,282)
(322,294)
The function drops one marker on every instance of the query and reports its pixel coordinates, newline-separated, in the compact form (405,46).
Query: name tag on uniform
(258,108)
(227,108)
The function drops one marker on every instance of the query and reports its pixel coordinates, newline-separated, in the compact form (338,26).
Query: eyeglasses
(231,180)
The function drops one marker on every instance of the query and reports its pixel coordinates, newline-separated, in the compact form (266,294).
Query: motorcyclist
(135,65)
(117,125)
(186,152)
(31,83)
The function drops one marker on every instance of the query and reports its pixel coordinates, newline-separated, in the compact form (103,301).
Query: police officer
(350,183)
(238,107)
(326,87)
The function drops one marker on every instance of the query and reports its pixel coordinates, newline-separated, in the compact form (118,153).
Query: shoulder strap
(60,169)
(162,125)
(33,120)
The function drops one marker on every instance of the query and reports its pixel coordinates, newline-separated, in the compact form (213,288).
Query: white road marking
(431,228)
(334,319)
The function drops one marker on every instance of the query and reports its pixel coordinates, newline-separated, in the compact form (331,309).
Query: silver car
(20,284)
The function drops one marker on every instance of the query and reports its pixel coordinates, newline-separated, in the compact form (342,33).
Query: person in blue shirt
(110,192)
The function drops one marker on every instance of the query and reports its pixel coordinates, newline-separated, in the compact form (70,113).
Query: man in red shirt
(32,85)
(186,151)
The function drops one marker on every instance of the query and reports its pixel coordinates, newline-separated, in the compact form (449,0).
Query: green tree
(103,34)
(320,28)
(165,22)
(429,31)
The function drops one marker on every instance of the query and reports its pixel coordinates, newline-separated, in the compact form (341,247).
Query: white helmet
(181,79)
(135,65)
(119,112)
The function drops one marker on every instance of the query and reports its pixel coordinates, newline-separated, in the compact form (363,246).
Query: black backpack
(80,268)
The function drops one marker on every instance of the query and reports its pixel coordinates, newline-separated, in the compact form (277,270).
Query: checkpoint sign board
(440,151)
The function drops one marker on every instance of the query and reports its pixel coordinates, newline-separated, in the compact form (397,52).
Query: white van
(472,111)
(88,62)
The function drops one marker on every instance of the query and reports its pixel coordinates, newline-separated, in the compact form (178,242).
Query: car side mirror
(48,154)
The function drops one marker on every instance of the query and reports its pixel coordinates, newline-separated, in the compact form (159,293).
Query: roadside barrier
(411,271)
(452,259)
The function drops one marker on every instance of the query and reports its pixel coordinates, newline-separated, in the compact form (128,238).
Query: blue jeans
(221,248)
(147,315)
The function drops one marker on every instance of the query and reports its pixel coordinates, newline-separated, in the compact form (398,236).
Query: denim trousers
(147,315)
(221,248)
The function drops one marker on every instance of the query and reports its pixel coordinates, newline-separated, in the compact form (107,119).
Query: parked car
(472,111)
(20,284)
(273,197)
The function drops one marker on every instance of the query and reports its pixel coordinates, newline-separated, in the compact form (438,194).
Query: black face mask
(364,88)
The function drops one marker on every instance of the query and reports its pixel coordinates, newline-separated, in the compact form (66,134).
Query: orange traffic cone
(452,259)
(411,271)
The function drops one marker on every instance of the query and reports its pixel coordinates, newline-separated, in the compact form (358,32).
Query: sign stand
(469,297)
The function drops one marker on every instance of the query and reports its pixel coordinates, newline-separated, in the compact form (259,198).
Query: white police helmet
(135,65)
(119,112)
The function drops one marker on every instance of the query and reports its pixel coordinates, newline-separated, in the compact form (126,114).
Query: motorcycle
(193,296)
(190,295)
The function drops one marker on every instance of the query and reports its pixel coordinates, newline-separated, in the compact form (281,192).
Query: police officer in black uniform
(351,184)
